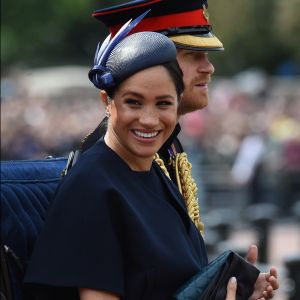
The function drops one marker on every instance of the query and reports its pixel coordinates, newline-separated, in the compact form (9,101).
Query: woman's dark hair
(176,75)
(174,71)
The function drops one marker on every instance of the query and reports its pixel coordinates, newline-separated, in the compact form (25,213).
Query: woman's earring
(107,112)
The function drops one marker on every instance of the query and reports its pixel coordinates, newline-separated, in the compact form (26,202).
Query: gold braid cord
(161,163)
(188,188)
(186,185)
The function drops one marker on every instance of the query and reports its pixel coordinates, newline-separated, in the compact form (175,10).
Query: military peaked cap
(185,22)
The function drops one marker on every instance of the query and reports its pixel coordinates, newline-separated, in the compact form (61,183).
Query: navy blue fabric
(132,54)
(111,228)
(26,190)
(138,52)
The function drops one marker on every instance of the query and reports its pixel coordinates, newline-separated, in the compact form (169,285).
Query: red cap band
(184,19)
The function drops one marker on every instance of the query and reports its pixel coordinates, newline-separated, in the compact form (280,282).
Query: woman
(118,227)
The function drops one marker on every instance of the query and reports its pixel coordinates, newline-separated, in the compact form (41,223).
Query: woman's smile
(145,136)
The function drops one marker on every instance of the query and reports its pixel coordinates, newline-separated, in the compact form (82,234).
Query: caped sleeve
(80,244)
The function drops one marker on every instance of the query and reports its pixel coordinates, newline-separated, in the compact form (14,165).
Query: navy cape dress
(113,229)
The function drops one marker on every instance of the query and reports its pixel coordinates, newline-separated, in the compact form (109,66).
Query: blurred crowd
(248,137)
(47,113)
(36,128)
(250,133)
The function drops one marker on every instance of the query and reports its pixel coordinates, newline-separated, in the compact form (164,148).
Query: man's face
(197,71)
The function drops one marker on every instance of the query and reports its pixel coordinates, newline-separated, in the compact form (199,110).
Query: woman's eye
(164,103)
(132,102)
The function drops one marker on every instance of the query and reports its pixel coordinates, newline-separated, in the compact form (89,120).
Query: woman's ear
(104,98)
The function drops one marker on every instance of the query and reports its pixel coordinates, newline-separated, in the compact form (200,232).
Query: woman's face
(143,114)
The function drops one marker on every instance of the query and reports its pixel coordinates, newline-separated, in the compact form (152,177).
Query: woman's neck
(139,164)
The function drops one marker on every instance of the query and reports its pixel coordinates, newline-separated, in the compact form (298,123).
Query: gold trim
(177,173)
(197,41)
(186,185)
(161,163)
(188,188)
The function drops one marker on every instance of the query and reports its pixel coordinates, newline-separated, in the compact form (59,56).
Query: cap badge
(205,13)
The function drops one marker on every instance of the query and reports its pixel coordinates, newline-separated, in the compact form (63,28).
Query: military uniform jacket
(114,229)
(169,150)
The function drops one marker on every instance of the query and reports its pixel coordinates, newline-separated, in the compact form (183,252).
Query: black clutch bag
(211,282)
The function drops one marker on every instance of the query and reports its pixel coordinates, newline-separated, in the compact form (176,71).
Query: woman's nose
(149,117)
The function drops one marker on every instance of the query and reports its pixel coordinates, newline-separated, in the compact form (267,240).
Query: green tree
(35,33)
(255,33)
(250,33)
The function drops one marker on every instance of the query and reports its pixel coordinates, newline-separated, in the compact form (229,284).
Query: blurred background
(244,147)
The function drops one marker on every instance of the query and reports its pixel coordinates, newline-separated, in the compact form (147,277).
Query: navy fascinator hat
(120,57)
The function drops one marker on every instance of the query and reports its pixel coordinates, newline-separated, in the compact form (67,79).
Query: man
(187,25)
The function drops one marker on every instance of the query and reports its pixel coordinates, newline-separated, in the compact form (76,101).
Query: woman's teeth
(146,134)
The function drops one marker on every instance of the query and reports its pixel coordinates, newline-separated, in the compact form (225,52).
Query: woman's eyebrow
(166,96)
(136,94)
(131,93)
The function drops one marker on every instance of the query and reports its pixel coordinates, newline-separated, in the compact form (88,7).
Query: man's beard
(191,101)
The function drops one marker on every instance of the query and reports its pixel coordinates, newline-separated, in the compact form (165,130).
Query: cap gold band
(208,42)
